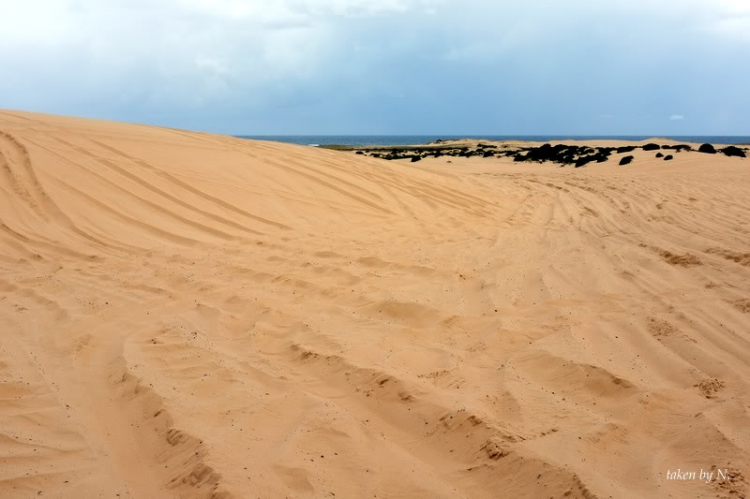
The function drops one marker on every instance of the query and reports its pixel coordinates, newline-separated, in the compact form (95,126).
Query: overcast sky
(669,67)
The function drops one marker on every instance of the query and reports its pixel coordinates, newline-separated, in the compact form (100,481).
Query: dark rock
(668,157)
(707,148)
(624,149)
(733,151)
(626,160)
(360,152)
(659,155)
(651,147)
(414,159)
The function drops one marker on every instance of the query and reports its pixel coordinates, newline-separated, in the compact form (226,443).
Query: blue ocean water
(395,140)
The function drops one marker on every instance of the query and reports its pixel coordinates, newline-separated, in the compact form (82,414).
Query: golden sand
(186,315)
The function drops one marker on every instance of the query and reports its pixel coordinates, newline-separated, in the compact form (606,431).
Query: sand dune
(198,316)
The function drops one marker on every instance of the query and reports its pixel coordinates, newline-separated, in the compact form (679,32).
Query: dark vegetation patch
(678,147)
(562,154)
(734,151)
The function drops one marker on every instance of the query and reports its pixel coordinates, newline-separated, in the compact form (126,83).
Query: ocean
(395,140)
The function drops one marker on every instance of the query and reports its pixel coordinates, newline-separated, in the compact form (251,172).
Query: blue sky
(666,67)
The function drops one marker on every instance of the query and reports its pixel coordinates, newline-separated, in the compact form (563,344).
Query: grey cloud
(356,66)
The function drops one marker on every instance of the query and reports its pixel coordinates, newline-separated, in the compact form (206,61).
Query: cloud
(387,66)
(676,117)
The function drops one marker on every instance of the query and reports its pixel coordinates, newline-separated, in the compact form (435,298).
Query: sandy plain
(185,315)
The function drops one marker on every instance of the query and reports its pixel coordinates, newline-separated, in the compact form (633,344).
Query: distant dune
(185,315)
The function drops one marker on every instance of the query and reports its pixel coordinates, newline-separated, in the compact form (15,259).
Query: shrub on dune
(733,151)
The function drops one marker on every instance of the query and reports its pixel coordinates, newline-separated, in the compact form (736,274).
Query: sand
(186,315)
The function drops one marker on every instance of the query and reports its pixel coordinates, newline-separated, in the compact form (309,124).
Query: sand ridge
(198,316)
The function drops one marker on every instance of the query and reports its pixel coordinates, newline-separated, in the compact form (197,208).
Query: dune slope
(194,316)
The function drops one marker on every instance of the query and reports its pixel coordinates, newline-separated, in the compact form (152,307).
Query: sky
(294,67)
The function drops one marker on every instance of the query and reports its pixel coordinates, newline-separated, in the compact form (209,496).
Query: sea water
(395,140)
